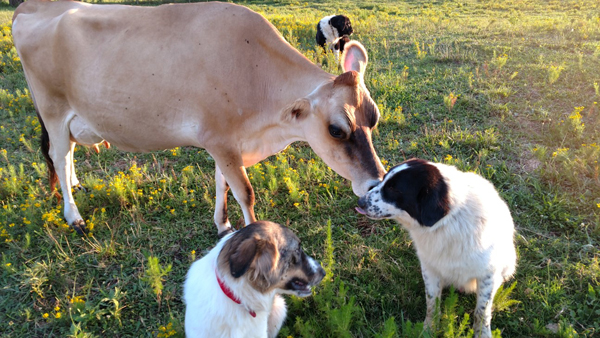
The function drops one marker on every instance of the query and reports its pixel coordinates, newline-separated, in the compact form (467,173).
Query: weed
(449,101)
(554,73)
(499,61)
(502,301)
(420,49)
(154,275)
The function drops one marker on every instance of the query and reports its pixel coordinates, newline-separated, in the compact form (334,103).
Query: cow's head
(337,120)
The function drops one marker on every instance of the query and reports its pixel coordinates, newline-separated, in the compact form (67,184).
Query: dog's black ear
(342,24)
(242,258)
(347,27)
(433,202)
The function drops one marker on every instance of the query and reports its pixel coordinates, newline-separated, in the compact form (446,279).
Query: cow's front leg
(486,289)
(221,219)
(433,292)
(232,174)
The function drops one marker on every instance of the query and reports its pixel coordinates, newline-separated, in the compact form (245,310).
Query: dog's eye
(336,131)
(391,189)
(295,257)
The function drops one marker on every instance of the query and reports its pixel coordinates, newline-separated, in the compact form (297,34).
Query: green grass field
(509,89)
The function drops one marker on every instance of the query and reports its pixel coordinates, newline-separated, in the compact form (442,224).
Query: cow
(217,76)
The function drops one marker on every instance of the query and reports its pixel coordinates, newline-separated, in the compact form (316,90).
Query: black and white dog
(333,32)
(235,290)
(461,228)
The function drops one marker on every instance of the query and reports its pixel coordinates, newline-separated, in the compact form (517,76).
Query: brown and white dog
(461,228)
(235,290)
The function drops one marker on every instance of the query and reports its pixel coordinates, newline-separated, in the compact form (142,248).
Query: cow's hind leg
(61,148)
(79,133)
(74,181)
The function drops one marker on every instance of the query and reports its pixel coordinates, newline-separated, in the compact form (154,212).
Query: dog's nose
(321,271)
(362,202)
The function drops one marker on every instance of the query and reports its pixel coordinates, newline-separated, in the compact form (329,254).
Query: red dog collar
(229,294)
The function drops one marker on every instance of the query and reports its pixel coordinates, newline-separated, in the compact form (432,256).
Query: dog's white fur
(210,313)
(471,247)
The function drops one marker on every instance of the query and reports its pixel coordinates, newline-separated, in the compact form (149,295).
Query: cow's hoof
(79,227)
(225,232)
(79,187)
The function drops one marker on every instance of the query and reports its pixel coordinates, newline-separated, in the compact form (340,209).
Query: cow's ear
(354,57)
(297,110)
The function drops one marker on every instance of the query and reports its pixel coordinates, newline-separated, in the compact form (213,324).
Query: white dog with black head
(461,228)
(234,291)
(333,33)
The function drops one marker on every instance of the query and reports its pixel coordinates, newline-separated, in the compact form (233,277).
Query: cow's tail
(45,146)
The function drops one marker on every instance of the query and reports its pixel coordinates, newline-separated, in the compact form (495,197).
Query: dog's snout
(319,275)
(372,185)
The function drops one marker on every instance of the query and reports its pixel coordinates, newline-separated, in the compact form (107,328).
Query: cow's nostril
(373,186)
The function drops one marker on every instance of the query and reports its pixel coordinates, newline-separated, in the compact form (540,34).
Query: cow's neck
(276,132)
(290,77)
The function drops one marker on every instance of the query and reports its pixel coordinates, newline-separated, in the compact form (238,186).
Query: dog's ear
(242,258)
(347,30)
(342,24)
(266,260)
(254,254)
(433,203)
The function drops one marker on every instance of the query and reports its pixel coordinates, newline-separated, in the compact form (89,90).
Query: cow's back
(80,32)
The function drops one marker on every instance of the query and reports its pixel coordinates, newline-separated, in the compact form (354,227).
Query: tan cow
(211,75)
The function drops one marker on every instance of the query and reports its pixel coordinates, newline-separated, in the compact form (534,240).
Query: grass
(508,89)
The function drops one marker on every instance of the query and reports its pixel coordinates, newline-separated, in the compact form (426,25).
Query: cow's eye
(336,131)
